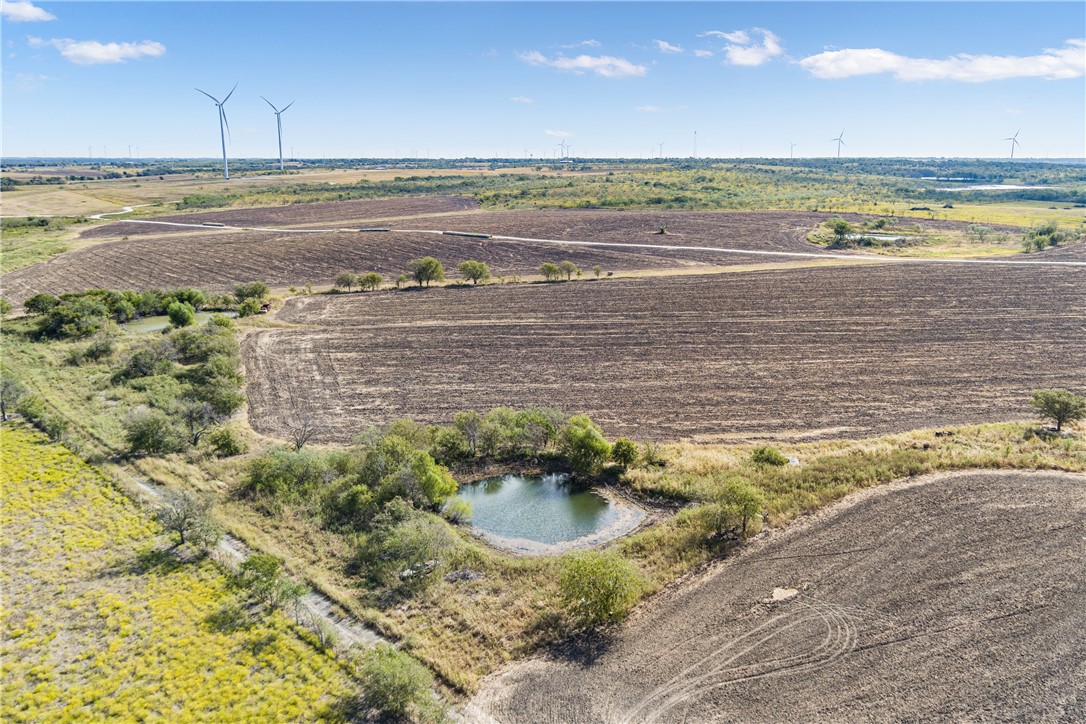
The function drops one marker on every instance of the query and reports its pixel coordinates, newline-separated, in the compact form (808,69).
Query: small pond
(159,323)
(877,237)
(545,514)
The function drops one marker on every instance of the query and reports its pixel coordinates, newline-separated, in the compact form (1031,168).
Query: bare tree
(198,417)
(10,394)
(301,421)
(188,515)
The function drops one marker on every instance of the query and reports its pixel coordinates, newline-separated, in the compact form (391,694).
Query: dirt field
(827,352)
(958,599)
(221,259)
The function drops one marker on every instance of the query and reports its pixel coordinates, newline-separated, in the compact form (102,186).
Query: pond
(545,514)
(159,323)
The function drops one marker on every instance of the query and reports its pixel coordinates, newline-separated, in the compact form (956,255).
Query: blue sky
(494,79)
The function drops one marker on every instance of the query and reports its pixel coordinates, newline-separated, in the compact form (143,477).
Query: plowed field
(972,610)
(844,351)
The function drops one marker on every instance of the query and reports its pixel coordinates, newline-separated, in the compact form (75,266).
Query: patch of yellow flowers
(96,626)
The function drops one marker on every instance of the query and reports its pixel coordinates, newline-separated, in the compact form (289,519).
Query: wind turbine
(279,125)
(222,122)
(791,151)
(839,142)
(661,145)
(1014,142)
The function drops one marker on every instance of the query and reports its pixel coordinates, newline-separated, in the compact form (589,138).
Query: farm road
(949,597)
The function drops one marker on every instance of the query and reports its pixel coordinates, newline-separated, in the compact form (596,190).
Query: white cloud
(666,47)
(30,81)
(22,11)
(91,52)
(584,44)
(1053,64)
(738,36)
(649,109)
(744,50)
(606,66)
(522,99)
(558,134)
(703,53)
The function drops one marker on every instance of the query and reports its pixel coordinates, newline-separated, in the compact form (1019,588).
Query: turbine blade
(225,122)
(269,103)
(287,106)
(208,95)
(224,100)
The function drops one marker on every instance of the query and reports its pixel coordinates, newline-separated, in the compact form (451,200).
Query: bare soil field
(788,354)
(953,597)
(221,259)
(338,213)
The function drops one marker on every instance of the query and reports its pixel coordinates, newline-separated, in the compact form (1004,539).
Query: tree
(598,587)
(597,270)
(738,504)
(469,424)
(550,271)
(371,281)
(261,573)
(624,453)
(40,303)
(301,422)
(426,270)
(841,230)
(198,417)
(476,271)
(584,445)
(401,280)
(150,430)
(252,290)
(1062,406)
(394,682)
(569,269)
(181,314)
(189,516)
(345,279)
(11,392)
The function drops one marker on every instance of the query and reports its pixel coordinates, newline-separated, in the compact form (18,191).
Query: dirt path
(953,596)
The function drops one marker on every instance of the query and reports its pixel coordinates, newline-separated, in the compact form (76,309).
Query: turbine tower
(661,145)
(840,142)
(279,125)
(1014,142)
(222,122)
(791,151)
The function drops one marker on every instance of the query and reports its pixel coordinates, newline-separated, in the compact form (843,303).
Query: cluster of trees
(370,281)
(553,272)
(1044,236)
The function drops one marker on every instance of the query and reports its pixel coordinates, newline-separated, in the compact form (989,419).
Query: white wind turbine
(1014,142)
(279,125)
(840,142)
(222,122)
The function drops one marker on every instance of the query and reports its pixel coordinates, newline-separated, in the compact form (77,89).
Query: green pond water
(544,509)
(159,323)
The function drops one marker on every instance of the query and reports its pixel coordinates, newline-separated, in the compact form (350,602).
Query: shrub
(394,682)
(597,270)
(79,317)
(738,504)
(226,442)
(585,447)
(457,510)
(150,430)
(401,280)
(249,307)
(222,321)
(253,290)
(624,453)
(40,303)
(767,455)
(403,540)
(261,574)
(285,476)
(181,314)
(5,307)
(1061,406)
(11,393)
(598,587)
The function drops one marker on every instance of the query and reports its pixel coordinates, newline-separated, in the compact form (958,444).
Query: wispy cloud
(23,11)
(558,134)
(736,36)
(665,47)
(649,109)
(703,53)
(1053,63)
(743,49)
(522,99)
(92,52)
(605,66)
(583,44)
(30,81)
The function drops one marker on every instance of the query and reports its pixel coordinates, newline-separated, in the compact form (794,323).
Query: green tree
(597,270)
(197,416)
(569,269)
(345,279)
(1062,406)
(841,230)
(40,303)
(476,271)
(252,290)
(739,503)
(598,587)
(401,280)
(11,392)
(189,516)
(261,573)
(426,270)
(550,271)
(585,447)
(395,683)
(150,430)
(371,281)
(624,453)
(181,314)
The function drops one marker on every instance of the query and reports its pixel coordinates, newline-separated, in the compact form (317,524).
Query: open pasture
(790,354)
(970,610)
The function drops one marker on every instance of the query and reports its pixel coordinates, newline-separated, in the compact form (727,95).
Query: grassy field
(100,623)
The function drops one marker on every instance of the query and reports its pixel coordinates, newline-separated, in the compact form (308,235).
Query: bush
(739,504)
(402,541)
(226,442)
(249,307)
(150,430)
(285,476)
(181,314)
(394,682)
(585,447)
(261,574)
(624,453)
(80,317)
(598,587)
(1060,406)
(767,455)
(40,304)
(253,290)
(457,510)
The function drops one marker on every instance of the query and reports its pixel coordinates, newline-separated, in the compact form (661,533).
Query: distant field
(831,352)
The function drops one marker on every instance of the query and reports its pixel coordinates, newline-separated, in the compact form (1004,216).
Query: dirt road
(956,596)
